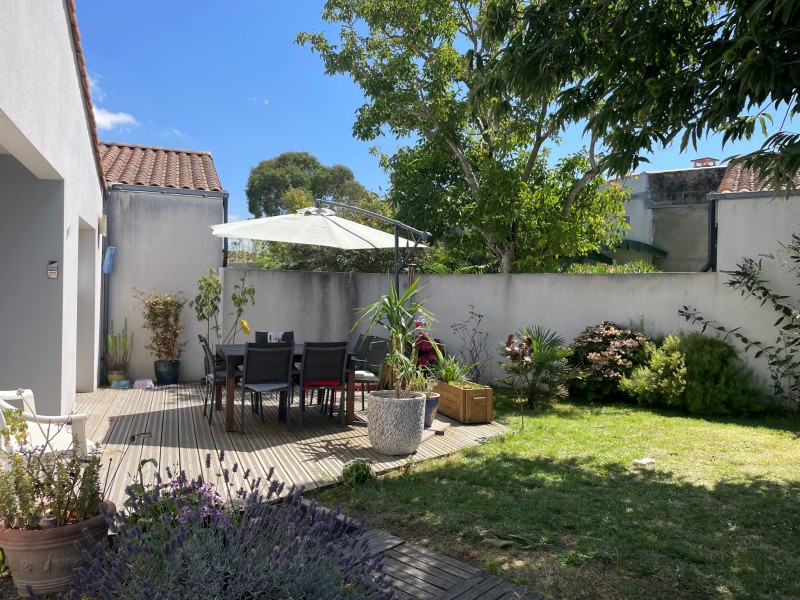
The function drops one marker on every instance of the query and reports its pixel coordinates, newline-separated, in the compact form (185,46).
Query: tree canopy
(640,73)
(474,172)
(293,180)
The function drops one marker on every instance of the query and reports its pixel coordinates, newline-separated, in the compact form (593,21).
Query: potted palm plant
(117,351)
(162,316)
(395,418)
(48,499)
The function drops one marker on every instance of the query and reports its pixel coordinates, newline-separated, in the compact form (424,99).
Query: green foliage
(699,374)
(448,368)
(783,356)
(37,482)
(638,266)
(662,380)
(474,343)
(475,179)
(357,473)
(398,315)
(118,348)
(606,353)
(638,74)
(162,316)
(208,300)
(717,382)
(536,365)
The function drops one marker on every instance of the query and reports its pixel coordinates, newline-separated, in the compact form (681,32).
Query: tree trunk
(506,259)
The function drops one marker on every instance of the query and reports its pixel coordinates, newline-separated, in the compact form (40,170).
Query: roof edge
(75,36)
(126,145)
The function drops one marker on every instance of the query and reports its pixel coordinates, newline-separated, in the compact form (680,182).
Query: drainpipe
(711,264)
(104,302)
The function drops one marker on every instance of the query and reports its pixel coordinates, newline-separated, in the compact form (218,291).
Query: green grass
(560,507)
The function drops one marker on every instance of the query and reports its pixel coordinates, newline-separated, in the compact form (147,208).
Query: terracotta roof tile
(87,98)
(132,164)
(737,179)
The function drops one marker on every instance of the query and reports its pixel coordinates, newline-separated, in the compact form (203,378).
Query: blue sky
(227,77)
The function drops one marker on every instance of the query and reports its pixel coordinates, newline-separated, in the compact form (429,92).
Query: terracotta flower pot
(45,559)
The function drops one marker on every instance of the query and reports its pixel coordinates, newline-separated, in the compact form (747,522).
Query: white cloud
(266,102)
(173,132)
(108,121)
(97,93)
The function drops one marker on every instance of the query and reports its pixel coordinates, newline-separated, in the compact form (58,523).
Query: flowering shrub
(426,354)
(162,316)
(606,353)
(250,547)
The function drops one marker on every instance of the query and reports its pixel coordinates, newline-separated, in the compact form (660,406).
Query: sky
(227,77)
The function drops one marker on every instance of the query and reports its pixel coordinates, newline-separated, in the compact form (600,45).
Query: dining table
(233,356)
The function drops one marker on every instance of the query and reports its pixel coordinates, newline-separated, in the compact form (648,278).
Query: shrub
(717,382)
(662,380)
(251,547)
(639,266)
(701,375)
(606,352)
(357,473)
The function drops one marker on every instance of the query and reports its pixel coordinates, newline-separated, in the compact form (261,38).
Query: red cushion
(322,383)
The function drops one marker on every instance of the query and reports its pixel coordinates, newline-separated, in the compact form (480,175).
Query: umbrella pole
(396,268)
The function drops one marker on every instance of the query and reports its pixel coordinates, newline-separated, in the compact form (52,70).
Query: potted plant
(47,500)
(117,351)
(395,418)
(460,399)
(162,317)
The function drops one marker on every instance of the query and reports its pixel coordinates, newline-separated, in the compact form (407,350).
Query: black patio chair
(323,368)
(360,350)
(215,376)
(263,337)
(368,375)
(267,369)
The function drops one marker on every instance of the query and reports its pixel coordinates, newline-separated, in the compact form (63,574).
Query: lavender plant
(250,547)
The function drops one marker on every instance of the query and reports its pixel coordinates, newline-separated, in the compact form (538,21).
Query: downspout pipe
(711,264)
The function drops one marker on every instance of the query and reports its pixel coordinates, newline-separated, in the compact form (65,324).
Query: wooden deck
(167,424)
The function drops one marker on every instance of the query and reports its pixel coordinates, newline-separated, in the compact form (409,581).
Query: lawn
(560,507)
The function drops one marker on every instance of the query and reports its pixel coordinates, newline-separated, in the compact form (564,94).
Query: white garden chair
(59,433)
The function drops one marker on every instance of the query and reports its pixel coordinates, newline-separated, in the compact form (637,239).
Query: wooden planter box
(465,405)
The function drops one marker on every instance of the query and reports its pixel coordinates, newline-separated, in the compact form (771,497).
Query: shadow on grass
(648,533)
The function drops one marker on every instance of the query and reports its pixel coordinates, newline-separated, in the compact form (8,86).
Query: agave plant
(537,364)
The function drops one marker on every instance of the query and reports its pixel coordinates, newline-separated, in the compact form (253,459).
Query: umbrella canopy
(313,226)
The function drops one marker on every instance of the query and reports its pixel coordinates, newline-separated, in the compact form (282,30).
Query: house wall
(163,243)
(45,127)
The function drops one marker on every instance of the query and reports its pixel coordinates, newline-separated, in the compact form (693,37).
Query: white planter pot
(395,425)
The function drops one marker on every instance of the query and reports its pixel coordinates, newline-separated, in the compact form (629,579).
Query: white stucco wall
(163,243)
(641,218)
(44,126)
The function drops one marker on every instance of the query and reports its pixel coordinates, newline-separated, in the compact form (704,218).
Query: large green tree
(472,168)
(641,73)
(293,180)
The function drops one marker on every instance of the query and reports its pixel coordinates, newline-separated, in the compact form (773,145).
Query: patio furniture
(60,433)
(233,355)
(267,368)
(323,367)
(214,378)
(269,337)
(368,376)
(361,348)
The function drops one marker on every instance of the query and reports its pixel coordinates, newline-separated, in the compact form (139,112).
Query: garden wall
(319,306)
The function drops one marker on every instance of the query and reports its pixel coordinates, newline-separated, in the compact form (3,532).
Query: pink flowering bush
(606,353)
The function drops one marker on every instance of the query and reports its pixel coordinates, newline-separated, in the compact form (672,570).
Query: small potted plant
(396,418)
(117,351)
(47,500)
(162,317)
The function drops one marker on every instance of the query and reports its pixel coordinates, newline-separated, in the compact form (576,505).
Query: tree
(639,73)
(293,180)
(482,168)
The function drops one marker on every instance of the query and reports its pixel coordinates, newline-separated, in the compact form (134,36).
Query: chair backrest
(323,361)
(268,363)
(376,353)
(208,357)
(269,337)
(10,399)
(362,346)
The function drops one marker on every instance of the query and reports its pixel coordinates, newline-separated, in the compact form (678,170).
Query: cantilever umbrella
(314,226)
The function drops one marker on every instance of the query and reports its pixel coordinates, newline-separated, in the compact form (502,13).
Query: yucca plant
(118,348)
(400,316)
